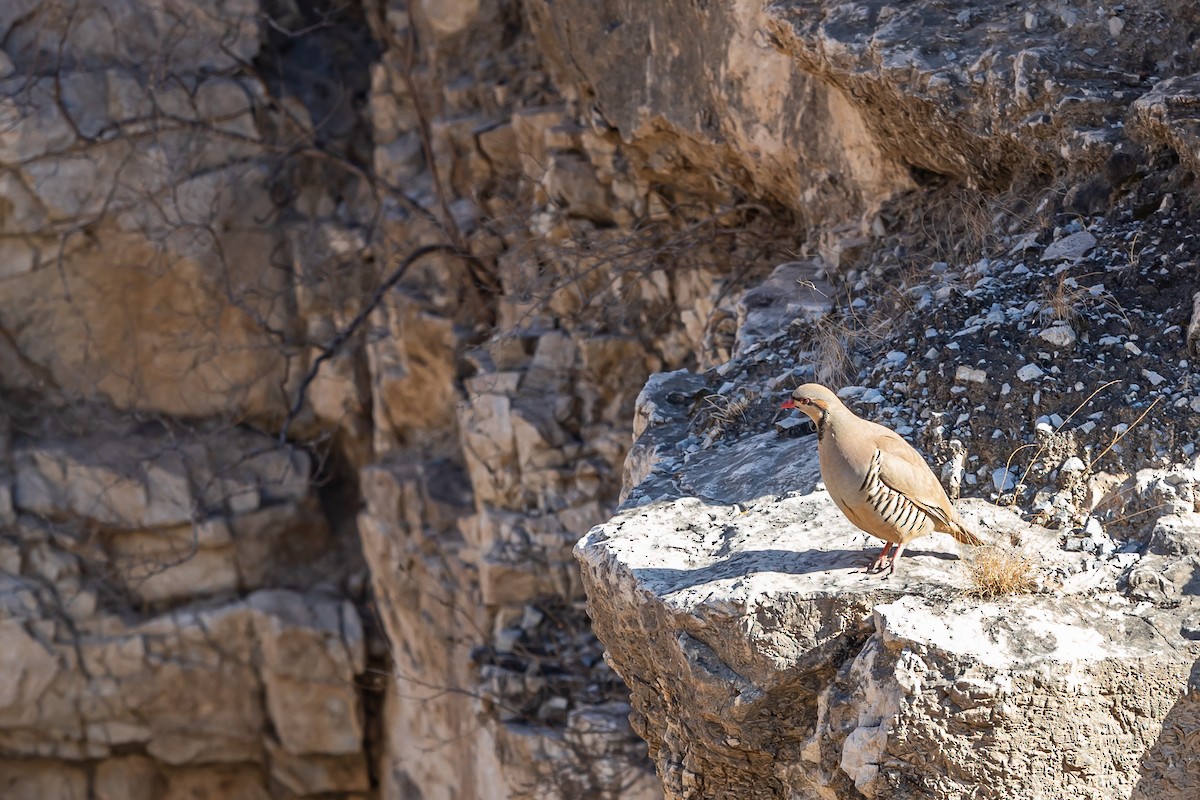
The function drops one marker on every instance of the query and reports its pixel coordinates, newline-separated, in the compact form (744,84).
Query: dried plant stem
(1078,408)
(1123,433)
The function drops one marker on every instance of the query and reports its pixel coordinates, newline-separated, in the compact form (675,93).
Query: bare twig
(339,341)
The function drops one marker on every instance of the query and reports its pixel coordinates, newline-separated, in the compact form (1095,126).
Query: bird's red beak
(789,403)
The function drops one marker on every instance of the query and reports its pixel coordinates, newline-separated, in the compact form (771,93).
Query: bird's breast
(842,478)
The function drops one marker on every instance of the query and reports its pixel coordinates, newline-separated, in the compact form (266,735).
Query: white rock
(965,374)
(1030,372)
(1152,376)
(1072,464)
(1059,335)
(506,639)
(1070,248)
(1003,479)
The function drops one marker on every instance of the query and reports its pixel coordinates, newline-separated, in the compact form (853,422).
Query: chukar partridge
(876,478)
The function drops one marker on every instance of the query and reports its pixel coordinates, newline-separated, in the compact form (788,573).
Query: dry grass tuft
(838,339)
(1065,299)
(723,414)
(998,571)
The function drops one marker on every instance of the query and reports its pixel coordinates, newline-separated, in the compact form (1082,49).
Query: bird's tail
(960,533)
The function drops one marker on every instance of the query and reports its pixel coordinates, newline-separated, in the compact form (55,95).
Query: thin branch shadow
(785,562)
(1170,768)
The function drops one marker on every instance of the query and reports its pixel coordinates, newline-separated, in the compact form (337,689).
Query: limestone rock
(311,774)
(155,480)
(763,664)
(751,127)
(968,108)
(311,654)
(1070,248)
(793,291)
(412,357)
(149,684)
(122,31)
(572,182)
(1166,114)
(32,780)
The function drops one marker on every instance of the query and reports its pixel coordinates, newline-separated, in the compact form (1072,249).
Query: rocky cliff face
(1046,370)
(259,461)
(322,328)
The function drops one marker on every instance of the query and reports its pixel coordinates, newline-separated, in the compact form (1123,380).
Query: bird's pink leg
(892,565)
(878,563)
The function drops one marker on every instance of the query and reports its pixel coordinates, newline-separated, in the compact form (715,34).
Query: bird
(879,481)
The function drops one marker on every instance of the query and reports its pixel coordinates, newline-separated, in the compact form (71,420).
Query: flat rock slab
(764,664)
(1070,248)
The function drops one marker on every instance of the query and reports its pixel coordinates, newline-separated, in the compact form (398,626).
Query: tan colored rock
(30,666)
(154,578)
(489,446)
(209,355)
(187,686)
(129,778)
(418,711)
(530,127)
(413,361)
(617,367)
(279,540)
(572,183)
(225,782)
(313,774)
(41,780)
(311,655)
(1165,114)
(449,18)
(193,336)
(755,136)
(499,145)
(205,36)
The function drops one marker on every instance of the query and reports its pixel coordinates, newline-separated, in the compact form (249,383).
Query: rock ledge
(762,664)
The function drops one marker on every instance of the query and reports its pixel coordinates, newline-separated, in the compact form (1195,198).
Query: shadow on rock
(1171,767)
(783,562)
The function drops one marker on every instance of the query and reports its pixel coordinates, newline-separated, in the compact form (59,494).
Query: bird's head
(813,399)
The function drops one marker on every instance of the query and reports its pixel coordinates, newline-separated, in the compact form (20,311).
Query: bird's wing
(903,469)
